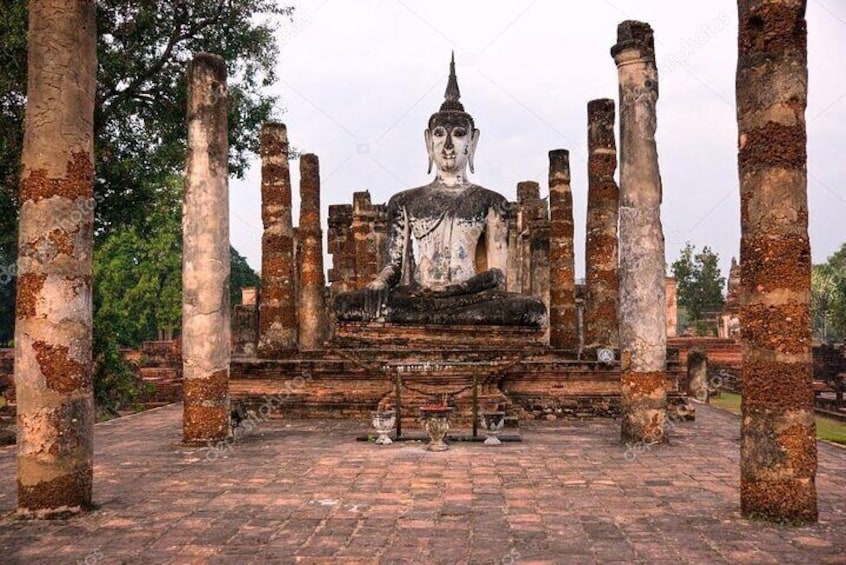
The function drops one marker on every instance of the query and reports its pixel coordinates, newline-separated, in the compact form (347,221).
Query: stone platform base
(374,334)
(529,382)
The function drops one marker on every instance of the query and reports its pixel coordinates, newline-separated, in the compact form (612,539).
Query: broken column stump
(277,307)
(643,329)
(362,228)
(778,439)
(563,333)
(697,375)
(602,287)
(312,283)
(528,206)
(341,246)
(205,255)
(53,365)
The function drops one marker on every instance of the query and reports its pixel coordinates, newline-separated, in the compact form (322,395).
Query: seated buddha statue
(447,244)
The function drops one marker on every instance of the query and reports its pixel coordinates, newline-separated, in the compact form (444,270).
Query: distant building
(729,318)
(672,307)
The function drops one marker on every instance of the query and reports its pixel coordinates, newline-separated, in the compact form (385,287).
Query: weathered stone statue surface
(447,242)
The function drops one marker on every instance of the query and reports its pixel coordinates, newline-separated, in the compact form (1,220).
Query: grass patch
(832,430)
(727,401)
(827,428)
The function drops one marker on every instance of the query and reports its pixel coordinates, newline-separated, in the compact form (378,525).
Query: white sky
(358,81)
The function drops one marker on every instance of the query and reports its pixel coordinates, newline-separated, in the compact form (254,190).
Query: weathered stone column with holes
(563,333)
(364,217)
(778,446)
(205,255)
(602,288)
(643,324)
(380,234)
(512,275)
(341,246)
(697,374)
(277,308)
(539,231)
(53,367)
(528,201)
(312,285)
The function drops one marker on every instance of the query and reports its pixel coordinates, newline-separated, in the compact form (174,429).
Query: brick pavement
(306,492)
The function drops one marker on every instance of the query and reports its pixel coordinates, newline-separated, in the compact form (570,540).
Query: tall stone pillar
(602,288)
(277,306)
(539,246)
(778,446)
(512,275)
(312,285)
(205,255)
(563,332)
(380,234)
(53,368)
(643,327)
(528,201)
(341,246)
(364,217)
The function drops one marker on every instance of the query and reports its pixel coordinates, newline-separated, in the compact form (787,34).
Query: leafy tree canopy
(138,275)
(140,133)
(143,50)
(699,282)
(828,297)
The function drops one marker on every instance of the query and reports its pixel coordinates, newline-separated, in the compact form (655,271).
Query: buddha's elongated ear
(427,135)
(472,152)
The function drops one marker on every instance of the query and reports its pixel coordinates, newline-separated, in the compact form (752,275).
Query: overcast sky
(359,80)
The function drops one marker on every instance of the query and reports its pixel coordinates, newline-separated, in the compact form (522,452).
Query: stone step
(374,334)
(159,374)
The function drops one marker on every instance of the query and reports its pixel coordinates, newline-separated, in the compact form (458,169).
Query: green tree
(13,31)
(140,133)
(699,282)
(826,299)
(138,275)
(7,298)
(241,275)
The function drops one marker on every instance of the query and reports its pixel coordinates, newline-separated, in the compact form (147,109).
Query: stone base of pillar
(57,498)
(206,412)
(644,407)
(777,471)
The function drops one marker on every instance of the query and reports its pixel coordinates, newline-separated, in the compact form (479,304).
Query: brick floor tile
(307,492)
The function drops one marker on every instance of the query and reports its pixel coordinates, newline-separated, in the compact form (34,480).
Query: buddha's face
(451,144)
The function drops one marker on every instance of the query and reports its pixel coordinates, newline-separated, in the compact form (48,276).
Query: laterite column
(53,366)
(364,217)
(778,445)
(601,311)
(277,307)
(205,255)
(563,333)
(643,324)
(312,298)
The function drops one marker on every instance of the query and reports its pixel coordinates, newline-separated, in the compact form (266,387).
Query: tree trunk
(53,365)
(778,440)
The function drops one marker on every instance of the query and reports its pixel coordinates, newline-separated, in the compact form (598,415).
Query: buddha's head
(451,137)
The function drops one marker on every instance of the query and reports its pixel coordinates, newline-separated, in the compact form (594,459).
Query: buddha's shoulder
(410,195)
(487,194)
(422,193)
